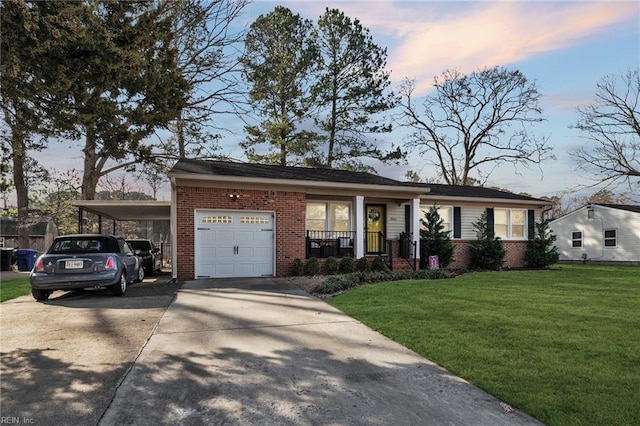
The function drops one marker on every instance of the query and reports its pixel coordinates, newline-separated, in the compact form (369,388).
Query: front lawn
(14,288)
(561,345)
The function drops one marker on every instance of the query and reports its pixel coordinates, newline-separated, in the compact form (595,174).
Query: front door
(376,228)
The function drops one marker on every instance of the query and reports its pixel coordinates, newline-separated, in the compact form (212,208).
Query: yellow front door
(376,222)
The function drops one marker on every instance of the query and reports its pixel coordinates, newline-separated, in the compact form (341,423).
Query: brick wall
(514,257)
(289,208)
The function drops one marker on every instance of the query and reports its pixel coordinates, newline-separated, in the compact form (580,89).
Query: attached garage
(234,243)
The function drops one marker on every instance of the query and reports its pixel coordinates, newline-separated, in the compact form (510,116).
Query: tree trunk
(22,192)
(90,175)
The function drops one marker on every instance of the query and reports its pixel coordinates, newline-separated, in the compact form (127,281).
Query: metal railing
(323,244)
(407,249)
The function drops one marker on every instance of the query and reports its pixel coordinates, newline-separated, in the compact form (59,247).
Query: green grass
(14,288)
(562,345)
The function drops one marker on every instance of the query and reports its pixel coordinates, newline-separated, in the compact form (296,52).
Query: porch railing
(323,244)
(407,249)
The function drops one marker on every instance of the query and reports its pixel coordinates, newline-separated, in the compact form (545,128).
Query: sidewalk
(12,275)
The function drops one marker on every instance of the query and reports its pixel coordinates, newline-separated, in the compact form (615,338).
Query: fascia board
(484,200)
(307,186)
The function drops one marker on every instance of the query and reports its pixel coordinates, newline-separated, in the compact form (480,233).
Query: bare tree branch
(611,129)
(470,123)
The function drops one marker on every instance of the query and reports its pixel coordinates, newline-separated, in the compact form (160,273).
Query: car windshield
(140,245)
(80,245)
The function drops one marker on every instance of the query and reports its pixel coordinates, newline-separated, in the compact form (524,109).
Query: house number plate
(73,264)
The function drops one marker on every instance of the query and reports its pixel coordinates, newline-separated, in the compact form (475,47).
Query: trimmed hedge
(337,283)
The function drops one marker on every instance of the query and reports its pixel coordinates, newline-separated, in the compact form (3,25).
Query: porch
(339,244)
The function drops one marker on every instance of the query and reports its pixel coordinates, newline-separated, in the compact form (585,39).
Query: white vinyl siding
(610,235)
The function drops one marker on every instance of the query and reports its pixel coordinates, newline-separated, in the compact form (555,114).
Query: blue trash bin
(26,259)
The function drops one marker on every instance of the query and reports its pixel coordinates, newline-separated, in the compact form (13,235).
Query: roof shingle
(226,168)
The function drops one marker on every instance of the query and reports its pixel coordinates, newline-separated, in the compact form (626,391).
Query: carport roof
(127,209)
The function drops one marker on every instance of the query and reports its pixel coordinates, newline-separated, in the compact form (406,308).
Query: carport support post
(415,227)
(359,218)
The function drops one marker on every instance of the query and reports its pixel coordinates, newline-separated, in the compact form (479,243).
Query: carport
(124,210)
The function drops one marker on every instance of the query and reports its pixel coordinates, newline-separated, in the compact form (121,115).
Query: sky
(564,46)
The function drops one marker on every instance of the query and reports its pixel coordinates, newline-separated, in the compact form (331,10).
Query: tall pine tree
(278,62)
(487,250)
(351,90)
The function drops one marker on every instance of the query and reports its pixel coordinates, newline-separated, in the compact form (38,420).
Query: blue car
(84,261)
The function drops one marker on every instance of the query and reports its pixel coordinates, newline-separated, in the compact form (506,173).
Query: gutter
(299,183)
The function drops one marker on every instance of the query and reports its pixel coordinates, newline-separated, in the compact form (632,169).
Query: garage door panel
(234,244)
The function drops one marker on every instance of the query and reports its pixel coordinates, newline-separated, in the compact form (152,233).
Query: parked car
(149,253)
(84,261)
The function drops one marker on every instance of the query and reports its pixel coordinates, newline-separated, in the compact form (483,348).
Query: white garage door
(233,244)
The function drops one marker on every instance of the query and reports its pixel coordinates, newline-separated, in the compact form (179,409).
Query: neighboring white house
(599,233)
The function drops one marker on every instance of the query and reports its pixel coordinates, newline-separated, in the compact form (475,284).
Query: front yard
(561,345)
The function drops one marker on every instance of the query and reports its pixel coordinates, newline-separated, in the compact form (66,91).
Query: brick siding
(289,208)
(514,257)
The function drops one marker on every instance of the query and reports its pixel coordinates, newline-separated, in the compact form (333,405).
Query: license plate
(73,264)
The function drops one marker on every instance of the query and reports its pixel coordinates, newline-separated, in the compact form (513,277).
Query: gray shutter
(531,223)
(457,222)
(490,219)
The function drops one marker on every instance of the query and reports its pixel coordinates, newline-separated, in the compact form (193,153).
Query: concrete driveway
(62,360)
(250,352)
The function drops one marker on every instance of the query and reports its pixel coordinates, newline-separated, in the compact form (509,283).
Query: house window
(216,219)
(510,223)
(445,213)
(252,220)
(610,238)
(330,216)
(576,239)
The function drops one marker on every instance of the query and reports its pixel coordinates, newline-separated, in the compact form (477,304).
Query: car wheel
(120,288)
(40,294)
(140,275)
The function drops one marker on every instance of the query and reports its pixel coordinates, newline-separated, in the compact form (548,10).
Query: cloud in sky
(430,37)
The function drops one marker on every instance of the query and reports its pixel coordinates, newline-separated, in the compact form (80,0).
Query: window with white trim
(445,213)
(510,223)
(610,238)
(328,216)
(576,239)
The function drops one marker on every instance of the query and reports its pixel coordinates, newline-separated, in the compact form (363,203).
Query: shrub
(541,253)
(330,266)
(343,282)
(362,265)
(312,267)
(434,240)
(335,284)
(347,265)
(297,268)
(487,251)
(378,265)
